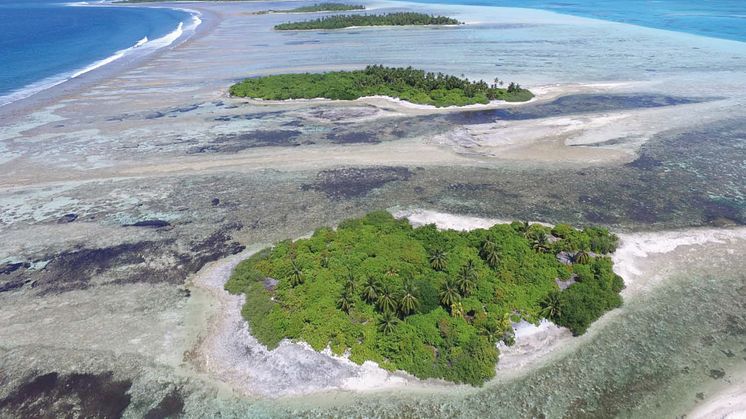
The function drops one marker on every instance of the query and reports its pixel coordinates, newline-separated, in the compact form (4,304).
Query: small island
(317,8)
(411,85)
(434,303)
(389,19)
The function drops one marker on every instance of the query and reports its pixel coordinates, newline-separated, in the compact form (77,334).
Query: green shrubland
(318,7)
(326,7)
(389,19)
(416,86)
(430,302)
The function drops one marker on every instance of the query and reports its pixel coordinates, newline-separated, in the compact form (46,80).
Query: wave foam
(143,44)
(636,247)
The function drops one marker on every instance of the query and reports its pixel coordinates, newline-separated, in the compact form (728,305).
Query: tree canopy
(370,288)
(388,19)
(412,85)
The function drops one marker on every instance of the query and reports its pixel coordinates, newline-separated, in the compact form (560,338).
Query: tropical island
(317,8)
(389,19)
(411,85)
(434,303)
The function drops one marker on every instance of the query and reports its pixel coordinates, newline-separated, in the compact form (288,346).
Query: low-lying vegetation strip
(327,7)
(416,86)
(389,19)
(319,7)
(433,303)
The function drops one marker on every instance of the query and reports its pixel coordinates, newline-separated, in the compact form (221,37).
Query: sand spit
(630,257)
(533,345)
(726,404)
(542,94)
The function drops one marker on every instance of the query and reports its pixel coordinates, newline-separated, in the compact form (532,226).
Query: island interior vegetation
(388,19)
(411,85)
(319,7)
(434,303)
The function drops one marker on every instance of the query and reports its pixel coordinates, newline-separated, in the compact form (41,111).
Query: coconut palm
(467,278)
(582,257)
(540,243)
(345,302)
(438,259)
(449,293)
(324,261)
(370,289)
(296,277)
(409,301)
(350,285)
(551,306)
(489,252)
(491,330)
(524,228)
(387,323)
(387,300)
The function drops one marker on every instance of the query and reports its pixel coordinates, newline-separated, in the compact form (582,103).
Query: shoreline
(53,88)
(291,370)
(725,403)
(221,351)
(390,100)
(77,84)
(115,151)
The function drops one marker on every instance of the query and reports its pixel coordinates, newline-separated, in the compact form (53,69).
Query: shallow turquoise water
(720,19)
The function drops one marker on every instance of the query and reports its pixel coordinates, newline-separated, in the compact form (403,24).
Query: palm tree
(449,293)
(438,259)
(466,278)
(491,330)
(345,302)
(551,306)
(409,301)
(391,271)
(350,283)
(524,228)
(370,289)
(324,262)
(387,300)
(540,242)
(296,278)
(581,257)
(490,253)
(387,323)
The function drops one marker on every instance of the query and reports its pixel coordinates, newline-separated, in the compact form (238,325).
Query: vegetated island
(430,302)
(389,19)
(318,7)
(411,85)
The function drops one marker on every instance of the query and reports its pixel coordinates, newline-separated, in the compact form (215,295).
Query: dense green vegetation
(326,7)
(416,86)
(389,19)
(433,303)
(318,7)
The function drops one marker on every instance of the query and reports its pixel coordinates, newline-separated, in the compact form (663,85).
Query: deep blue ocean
(42,40)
